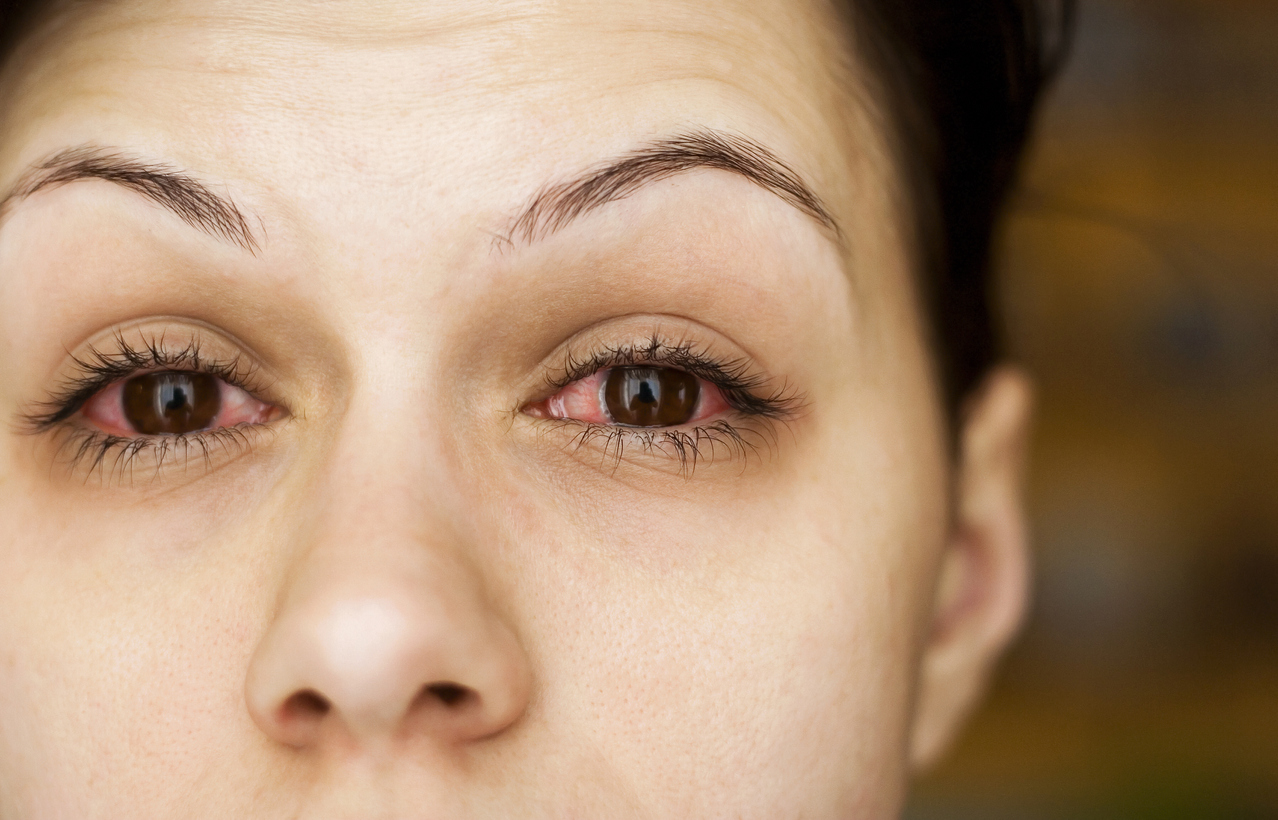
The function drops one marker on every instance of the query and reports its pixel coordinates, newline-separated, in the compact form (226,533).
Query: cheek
(117,675)
(756,645)
(751,654)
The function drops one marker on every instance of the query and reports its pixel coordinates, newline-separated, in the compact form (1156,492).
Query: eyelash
(99,370)
(741,387)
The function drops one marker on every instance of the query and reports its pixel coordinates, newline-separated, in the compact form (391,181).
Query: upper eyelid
(699,362)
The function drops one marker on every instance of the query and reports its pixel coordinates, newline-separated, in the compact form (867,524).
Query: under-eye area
(663,401)
(112,459)
(677,449)
(140,402)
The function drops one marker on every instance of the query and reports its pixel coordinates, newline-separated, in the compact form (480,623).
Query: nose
(386,641)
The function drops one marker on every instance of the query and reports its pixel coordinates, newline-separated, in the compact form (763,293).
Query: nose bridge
(377,515)
(390,485)
(384,624)
(392,446)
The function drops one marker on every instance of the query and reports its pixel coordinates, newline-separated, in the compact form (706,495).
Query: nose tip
(387,666)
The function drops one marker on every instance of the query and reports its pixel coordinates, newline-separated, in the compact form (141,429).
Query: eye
(172,403)
(635,396)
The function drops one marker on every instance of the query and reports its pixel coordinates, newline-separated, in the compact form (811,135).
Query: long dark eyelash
(740,387)
(743,390)
(116,457)
(99,369)
(688,446)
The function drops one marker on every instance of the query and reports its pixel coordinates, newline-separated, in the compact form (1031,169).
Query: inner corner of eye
(551,407)
(537,409)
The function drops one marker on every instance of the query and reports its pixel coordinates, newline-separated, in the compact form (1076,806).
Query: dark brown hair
(960,81)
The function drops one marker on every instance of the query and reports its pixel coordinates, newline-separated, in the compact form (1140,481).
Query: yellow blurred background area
(1139,283)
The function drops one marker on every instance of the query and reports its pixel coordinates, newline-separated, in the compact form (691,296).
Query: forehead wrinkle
(743,38)
(736,49)
(393,23)
(729,56)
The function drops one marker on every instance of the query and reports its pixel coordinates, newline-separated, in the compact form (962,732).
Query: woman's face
(548,429)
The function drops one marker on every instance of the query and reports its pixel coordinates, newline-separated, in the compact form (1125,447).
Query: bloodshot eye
(635,396)
(172,403)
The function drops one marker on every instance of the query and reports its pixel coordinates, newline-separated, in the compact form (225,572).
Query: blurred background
(1140,284)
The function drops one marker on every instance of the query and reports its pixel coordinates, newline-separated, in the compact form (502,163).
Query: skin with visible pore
(408,574)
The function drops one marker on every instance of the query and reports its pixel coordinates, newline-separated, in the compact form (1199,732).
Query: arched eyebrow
(556,205)
(179,192)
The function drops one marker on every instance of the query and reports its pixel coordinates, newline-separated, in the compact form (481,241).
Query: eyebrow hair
(552,208)
(175,190)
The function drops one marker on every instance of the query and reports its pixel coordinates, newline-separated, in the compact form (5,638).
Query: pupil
(650,396)
(171,403)
(176,401)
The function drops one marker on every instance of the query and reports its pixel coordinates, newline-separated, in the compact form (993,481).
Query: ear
(984,572)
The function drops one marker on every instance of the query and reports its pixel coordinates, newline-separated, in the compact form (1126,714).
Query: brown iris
(650,396)
(171,403)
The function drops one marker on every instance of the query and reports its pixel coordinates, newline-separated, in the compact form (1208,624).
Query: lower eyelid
(106,459)
(680,451)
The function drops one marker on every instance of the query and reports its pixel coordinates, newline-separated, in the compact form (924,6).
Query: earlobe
(984,572)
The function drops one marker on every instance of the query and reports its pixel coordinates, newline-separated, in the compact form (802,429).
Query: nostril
(449,694)
(305,704)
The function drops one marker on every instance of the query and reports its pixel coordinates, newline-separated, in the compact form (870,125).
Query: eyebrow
(555,206)
(191,200)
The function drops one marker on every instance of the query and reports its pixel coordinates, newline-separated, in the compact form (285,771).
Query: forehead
(495,94)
